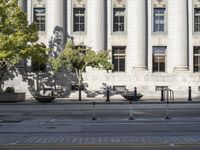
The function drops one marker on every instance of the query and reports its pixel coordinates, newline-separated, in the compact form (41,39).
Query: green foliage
(18,39)
(79,57)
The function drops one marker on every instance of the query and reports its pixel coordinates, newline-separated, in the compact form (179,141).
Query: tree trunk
(1,78)
(78,74)
(2,75)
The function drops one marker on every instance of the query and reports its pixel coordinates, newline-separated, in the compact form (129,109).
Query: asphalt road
(107,147)
(70,126)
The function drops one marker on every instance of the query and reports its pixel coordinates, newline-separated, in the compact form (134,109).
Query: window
(38,67)
(197,20)
(196,59)
(118,19)
(159,58)
(118,59)
(159,88)
(79,20)
(39,18)
(159,20)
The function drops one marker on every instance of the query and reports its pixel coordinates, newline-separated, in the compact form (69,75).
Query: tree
(18,39)
(77,58)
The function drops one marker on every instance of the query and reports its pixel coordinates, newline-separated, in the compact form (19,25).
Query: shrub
(9,90)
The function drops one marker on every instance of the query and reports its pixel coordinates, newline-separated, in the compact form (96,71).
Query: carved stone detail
(196,3)
(79,3)
(39,3)
(159,3)
(119,3)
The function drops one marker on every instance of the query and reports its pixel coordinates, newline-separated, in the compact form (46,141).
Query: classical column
(56,20)
(99,33)
(178,33)
(22,4)
(137,34)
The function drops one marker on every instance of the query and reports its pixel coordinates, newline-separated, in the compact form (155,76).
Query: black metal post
(79,91)
(52,93)
(94,112)
(108,94)
(135,94)
(189,93)
(162,94)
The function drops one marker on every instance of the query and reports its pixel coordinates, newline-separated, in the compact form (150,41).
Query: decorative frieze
(119,3)
(79,3)
(39,3)
(196,3)
(159,3)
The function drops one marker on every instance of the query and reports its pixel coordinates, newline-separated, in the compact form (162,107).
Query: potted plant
(130,96)
(9,95)
(46,97)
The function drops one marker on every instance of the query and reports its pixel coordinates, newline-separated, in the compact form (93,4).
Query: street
(69,126)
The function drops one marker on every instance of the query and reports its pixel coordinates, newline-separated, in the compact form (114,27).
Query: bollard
(135,94)
(167,106)
(162,94)
(79,93)
(107,94)
(189,94)
(94,112)
(131,111)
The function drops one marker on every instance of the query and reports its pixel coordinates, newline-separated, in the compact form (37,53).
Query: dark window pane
(118,19)
(161,28)
(196,59)
(122,64)
(121,20)
(159,20)
(82,27)
(39,18)
(118,58)
(79,19)
(155,64)
(115,63)
(38,67)
(159,58)
(82,20)
(121,27)
(197,20)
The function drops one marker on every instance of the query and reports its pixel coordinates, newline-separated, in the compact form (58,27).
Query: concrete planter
(130,96)
(45,99)
(12,97)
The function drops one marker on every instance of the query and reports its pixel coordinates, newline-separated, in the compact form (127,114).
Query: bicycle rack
(169,94)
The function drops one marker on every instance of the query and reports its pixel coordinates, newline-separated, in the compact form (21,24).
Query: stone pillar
(56,20)
(178,33)
(99,33)
(22,4)
(137,34)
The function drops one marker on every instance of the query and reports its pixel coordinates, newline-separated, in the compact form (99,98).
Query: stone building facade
(154,43)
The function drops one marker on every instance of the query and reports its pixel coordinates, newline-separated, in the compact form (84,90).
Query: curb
(70,102)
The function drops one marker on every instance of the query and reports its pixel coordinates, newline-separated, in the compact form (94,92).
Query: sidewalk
(102,100)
